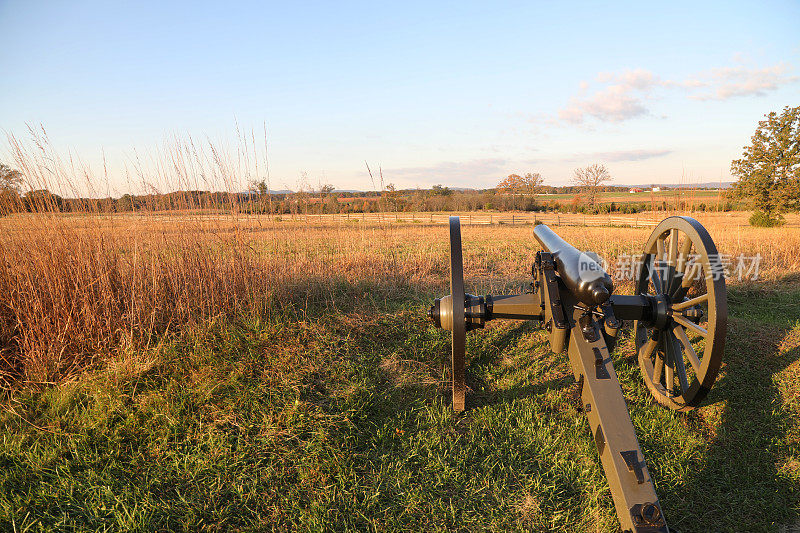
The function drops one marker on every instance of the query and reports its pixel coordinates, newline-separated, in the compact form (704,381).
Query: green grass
(339,420)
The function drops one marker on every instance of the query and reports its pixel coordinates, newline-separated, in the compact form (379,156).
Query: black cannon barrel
(582,275)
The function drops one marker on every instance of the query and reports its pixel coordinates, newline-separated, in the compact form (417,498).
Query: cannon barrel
(582,275)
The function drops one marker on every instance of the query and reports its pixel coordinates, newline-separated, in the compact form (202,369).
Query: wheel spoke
(683,256)
(689,325)
(673,247)
(690,303)
(688,349)
(677,360)
(648,347)
(689,278)
(675,281)
(658,367)
(655,278)
(669,380)
(660,248)
(686,282)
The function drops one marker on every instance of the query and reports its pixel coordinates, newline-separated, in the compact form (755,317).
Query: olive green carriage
(679,315)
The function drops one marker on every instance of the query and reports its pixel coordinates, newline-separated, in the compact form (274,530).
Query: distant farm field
(699,196)
(185,372)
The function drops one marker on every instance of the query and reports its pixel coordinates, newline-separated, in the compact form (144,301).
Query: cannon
(679,316)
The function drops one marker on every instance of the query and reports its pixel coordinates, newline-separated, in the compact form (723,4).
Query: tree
(769,170)
(324,192)
(589,179)
(42,200)
(10,179)
(262,188)
(259,186)
(513,184)
(531,184)
(438,190)
(390,193)
(302,193)
(126,203)
(527,185)
(10,185)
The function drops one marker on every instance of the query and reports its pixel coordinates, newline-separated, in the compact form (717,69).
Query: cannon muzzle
(581,273)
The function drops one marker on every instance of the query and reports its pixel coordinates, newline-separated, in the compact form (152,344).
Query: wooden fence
(475,219)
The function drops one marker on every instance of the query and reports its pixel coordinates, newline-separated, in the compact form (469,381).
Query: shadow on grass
(341,420)
(737,485)
(735,481)
(501,357)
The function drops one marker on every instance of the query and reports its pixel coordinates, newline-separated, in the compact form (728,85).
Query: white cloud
(637,79)
(615,103)
(729,82)
(630,155)
(623,94)
(617,156)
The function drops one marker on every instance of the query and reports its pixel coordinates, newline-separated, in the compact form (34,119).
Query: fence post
(512,218)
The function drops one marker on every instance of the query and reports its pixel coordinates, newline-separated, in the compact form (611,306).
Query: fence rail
(476,219)
(640,220)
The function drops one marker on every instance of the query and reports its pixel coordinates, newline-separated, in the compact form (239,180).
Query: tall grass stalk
(75,287)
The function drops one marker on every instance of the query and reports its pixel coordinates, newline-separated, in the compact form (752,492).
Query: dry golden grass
(80,286)
(74,288)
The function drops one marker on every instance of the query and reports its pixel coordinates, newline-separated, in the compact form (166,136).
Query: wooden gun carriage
(679,316)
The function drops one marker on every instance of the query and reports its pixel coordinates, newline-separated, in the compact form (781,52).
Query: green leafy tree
(42,200)
(10,185)
(259,186)
(769,171)
(438,190)
(10,179)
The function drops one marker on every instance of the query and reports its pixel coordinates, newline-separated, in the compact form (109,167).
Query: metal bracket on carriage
(545,260)
(586,322)
(631,458)
(647,518)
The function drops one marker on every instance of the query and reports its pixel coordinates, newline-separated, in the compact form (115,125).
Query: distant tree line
(516,192)
(768,176)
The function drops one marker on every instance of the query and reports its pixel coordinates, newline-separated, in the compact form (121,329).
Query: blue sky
(454,93)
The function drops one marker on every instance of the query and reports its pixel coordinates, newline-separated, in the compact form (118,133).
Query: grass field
(240,374)
(707,196)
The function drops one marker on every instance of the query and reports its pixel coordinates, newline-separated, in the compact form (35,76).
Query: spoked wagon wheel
(680,351)
(459,331)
